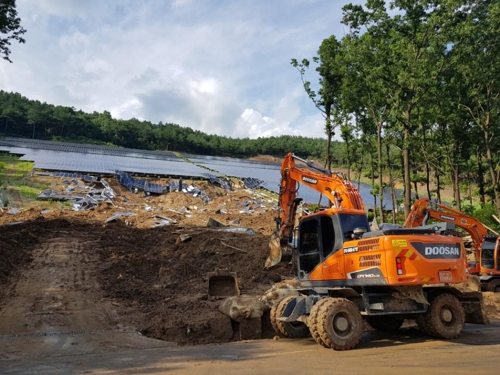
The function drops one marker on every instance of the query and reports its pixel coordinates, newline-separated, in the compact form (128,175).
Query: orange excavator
(485,246)
(347,273)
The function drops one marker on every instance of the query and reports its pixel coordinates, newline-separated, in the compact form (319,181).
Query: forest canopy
(22,117)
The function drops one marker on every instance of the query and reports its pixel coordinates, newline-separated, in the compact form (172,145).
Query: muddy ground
(56,263)
(65,270)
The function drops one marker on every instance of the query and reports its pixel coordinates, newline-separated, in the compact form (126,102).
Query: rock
(240,308)
(279,291)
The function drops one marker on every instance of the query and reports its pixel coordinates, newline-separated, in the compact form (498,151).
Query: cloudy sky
(219,66)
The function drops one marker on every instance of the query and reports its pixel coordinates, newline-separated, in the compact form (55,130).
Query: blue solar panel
(75,157)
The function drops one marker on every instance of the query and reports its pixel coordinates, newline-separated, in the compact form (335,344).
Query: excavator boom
(341,193)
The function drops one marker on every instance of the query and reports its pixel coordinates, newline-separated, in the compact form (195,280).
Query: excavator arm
(337,188)
(424,209)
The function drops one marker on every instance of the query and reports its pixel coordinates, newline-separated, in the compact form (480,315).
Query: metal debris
(116,215)
(185,237)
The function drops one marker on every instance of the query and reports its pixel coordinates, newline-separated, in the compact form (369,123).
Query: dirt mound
(156,277)
(167,277)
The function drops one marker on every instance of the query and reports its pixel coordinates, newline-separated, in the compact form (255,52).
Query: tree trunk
(480,177)
(372,177)
(428,179)
(456,186)
(406,165)
(391,183)
(380,171)
(328,131)
(491,167)
(438,185)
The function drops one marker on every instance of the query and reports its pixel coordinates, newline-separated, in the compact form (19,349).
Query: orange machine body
(486,247)
(328,255)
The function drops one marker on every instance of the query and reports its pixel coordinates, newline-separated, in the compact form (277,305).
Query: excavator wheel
(444,319)
(292,330)
(387,323)
(339,324)
(313,321)
(494,286)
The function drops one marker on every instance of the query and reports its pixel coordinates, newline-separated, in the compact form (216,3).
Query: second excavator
(486,249)
(347,273)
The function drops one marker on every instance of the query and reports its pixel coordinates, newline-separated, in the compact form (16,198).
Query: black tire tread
(286,329)
(313,321)
(324,323)
(433,323)
(493,286)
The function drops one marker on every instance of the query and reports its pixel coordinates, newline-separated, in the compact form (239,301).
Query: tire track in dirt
(57,307)
(58,291)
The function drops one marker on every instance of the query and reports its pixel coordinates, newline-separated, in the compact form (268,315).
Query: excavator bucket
(275,252)
(222,283)
(472,303)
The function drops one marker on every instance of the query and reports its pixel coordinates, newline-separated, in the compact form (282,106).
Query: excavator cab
(490,254)
(323,234)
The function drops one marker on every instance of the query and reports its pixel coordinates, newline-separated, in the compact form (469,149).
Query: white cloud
(219,67)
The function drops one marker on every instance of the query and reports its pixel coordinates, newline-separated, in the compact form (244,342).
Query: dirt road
(407,352)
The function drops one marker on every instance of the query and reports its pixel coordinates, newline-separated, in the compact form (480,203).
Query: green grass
(14,183)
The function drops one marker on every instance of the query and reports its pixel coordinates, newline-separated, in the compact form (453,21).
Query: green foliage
(484,214)
(10,26)
(22,117)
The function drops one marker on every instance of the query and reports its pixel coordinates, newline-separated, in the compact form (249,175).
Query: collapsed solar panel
(84,177)
(134,184)
(86,158)
(219,181)
(252,183)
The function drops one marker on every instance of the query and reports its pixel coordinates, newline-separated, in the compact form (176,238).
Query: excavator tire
(339,324)
(292,330)
(494,286)
(387,323)
(313,322)
(444,319)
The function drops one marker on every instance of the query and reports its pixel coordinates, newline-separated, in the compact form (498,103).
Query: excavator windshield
(350,224)
(488,254)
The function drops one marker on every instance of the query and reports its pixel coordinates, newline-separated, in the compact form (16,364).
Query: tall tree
(327,99)
(476,52)
(415,59)
(10,26)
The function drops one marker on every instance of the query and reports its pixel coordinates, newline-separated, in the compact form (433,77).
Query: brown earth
(68,270)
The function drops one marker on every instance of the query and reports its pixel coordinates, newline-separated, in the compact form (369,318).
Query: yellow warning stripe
(410,254)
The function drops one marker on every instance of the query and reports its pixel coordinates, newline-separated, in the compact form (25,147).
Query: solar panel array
(54,158)
(97,159)
(85,148)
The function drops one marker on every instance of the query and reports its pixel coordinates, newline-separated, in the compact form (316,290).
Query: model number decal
(399,243)
(353,249)
(310,180)
(447,217)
